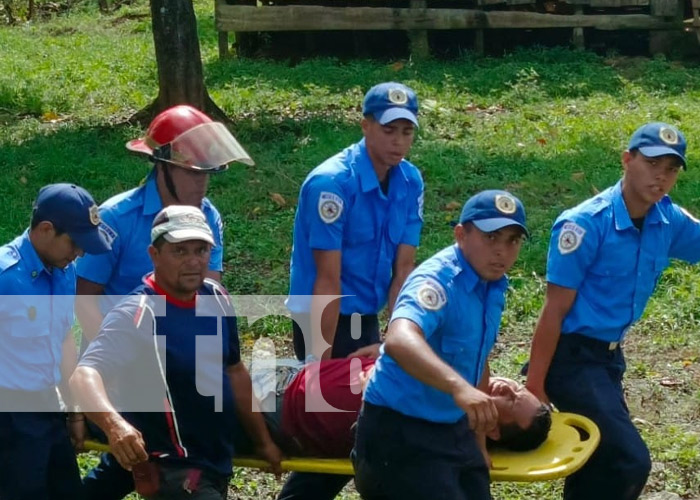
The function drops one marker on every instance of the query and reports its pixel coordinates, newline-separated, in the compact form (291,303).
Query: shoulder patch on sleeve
(330,206)
(570,237)
(689,215)
(9,256)
(107,231)
(431,295)
(420,206)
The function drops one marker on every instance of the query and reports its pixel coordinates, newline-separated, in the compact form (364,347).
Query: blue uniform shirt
(36,313)
(126,221)
(459,315)
(596,250)
(342,207)
(180,421)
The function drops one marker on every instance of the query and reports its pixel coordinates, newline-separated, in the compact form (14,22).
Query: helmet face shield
(208,147)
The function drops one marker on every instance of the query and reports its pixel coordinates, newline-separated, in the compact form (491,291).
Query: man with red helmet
(185,146)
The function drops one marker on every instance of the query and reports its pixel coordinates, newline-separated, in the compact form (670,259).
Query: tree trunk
(179,61)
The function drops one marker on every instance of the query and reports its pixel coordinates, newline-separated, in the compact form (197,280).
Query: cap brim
(491,225)
(139,146)
(654,151)
(92,242)
(180,235)
(391,114)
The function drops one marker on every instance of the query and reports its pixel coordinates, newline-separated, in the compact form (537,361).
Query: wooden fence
(418,16)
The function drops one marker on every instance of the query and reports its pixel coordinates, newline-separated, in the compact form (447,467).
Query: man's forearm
(394,289)
(247,407)
(410,350)
(88,311)
(89,392)
(544,343)
(69,360)
(324,314)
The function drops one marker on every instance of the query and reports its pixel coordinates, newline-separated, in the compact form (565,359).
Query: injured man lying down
(310,409)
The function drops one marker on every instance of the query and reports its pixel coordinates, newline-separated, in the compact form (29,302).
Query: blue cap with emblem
(72,210)
(658,139)
(391,101)
(493,210)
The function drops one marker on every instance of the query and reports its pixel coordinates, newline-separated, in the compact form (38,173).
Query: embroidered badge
(505,204)
(398,96)
(109,234)
(668,135)
(31,313)
(570,237)
(420,206)
(431,295)
(95,215)
(330,206)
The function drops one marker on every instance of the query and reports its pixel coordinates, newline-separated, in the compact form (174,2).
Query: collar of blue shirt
(622,216)
(368,177)
(472,279)
(30,257)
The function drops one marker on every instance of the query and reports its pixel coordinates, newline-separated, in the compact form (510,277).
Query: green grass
(547,124)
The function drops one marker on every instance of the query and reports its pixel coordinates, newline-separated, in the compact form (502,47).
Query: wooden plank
(578,37)
(618,3)
(223,45)
(479,44)
(419,38)
(306,17)
(669,8)
(609,3)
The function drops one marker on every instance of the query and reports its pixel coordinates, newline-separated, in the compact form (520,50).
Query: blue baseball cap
(493,210)
(658,139)
(391,101)
(72,210)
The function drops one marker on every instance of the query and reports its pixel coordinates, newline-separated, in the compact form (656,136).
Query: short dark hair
(36,220)
(515,438)
(159,242)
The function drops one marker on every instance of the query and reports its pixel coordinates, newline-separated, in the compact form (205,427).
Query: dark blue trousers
(585,377)
(400,457)
(108,480)
(37,461)
(312,486)
(343,342)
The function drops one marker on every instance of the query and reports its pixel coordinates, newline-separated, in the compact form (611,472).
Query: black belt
(589,341)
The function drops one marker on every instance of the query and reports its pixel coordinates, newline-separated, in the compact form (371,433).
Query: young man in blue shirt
(356,230)
(421,433)
(37,349)
(171,351)
(605,257)
(185,146)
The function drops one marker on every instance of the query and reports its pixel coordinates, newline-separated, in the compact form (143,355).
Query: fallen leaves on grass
(278,200)
(670,382)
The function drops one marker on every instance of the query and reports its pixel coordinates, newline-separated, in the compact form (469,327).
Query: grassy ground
(547,124)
